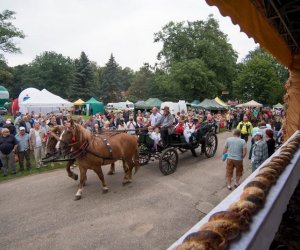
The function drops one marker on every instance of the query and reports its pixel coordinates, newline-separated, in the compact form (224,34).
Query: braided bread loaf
(224,226)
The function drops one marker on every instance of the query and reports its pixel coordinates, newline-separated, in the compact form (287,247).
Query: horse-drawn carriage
(75,143)
(167,155)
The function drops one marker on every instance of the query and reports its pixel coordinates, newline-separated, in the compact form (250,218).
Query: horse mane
(82,133)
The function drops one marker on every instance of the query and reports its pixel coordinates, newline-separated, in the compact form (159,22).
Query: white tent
(278,106)
(251,104)
(25,95)
(45,102)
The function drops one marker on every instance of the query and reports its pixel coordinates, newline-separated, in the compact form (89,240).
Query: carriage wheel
(144,154)
(168,161)
(211,144)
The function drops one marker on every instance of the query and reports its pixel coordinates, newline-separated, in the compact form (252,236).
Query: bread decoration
(258,184)
(271,171)
(257,201)
(244,207)
(228,229)
(256,191)
(234,217)
(263,180)
(193,245)
(226,225)
(211,239)
(270,177)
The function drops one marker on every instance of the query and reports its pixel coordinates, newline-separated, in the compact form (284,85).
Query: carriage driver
(166,125)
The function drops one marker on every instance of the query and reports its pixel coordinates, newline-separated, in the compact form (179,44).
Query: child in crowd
(155,136)
(189,128)
(179,128)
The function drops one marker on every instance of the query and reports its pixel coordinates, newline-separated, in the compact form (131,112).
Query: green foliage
(8,32)
(193,80)
(51,71)
(111,84)
(82,86)
(202,40)
(260,78)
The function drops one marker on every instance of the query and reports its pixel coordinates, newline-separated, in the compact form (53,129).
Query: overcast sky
(100,27)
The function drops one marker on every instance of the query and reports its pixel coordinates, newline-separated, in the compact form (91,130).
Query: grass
(34,169)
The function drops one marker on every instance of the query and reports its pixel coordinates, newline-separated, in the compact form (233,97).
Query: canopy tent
(195,102)
(278,106)
(4,96)
(44,102)
(251,104)
(150,103)
(278,33)
(139,103)
(218,100)
(79,102)
(94,106)
(210,104)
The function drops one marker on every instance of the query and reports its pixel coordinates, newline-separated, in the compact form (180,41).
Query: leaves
(7,32)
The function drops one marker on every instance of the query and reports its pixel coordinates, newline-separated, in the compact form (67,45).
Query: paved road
(38,212)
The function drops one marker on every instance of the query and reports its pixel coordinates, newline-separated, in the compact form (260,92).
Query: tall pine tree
(84,76)
(111,82)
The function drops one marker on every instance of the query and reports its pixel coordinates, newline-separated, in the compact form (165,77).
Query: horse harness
(83,150)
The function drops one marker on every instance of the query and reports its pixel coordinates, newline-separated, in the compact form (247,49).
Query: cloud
(102,27)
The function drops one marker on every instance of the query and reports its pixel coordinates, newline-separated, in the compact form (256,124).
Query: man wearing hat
(259,151)
(166,125)
(23,149)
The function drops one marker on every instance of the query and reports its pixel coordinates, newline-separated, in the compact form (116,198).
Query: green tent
(210,104)
(4,96)
(94,106)
(195,102)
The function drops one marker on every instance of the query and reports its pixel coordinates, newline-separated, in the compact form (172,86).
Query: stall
(93,106)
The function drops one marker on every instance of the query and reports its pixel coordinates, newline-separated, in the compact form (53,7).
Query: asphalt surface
(39,211)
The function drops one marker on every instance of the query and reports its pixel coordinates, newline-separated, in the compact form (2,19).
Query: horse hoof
(77,197)
(125,182)
(75,177)
(111,173)
(105,190)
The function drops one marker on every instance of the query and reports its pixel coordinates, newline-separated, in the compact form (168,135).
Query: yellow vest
(245,128)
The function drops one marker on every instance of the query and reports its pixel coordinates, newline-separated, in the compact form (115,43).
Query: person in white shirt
(37,141)
(122,125)
(189,128)
(155,136)
(131,126)
(154,117)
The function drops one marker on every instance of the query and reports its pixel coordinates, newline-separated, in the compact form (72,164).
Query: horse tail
(136,160)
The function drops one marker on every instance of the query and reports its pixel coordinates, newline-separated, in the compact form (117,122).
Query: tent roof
(78,102)
(252,103)
(92,100)
(195,102)
(272,24)
(150,103)
(218,100)
(278,106)
(46,99)
(210,104)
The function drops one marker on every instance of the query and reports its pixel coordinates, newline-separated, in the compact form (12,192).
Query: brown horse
(93,152)
(53,138)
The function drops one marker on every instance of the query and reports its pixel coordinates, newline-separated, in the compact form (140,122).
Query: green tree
(199,40)
(260,78)
(111,82)
(193,80)
(8,32)
(51,71)
(142,84)
(84,78)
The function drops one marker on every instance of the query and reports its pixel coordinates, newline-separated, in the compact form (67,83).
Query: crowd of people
(29,132)
(264,128)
